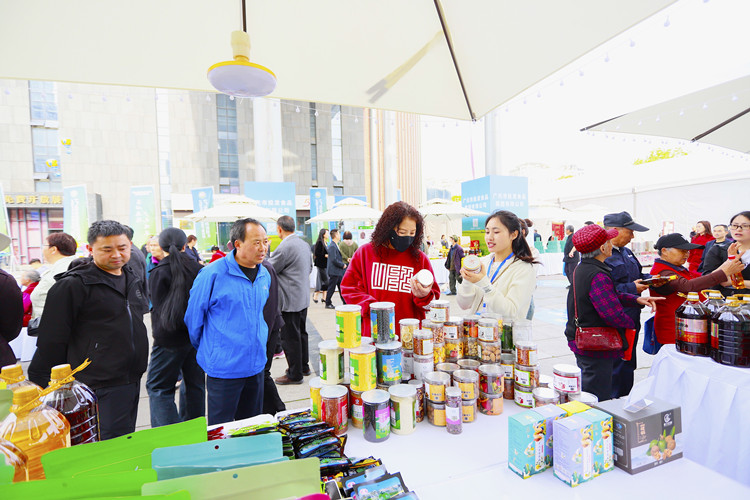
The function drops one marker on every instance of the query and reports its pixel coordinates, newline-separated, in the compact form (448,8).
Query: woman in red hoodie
(702,236)
(383,270)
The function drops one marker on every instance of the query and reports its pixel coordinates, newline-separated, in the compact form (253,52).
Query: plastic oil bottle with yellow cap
(714,301)
(77,403)
(13,456)
(35,428)
(13,377)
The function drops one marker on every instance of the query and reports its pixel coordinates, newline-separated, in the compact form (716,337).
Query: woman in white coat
(507,278)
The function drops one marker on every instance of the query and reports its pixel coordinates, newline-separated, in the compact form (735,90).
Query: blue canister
(388,362)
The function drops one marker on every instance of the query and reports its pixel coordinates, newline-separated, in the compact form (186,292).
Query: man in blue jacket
(227,322)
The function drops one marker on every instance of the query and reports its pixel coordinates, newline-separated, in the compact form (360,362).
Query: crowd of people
(217,326)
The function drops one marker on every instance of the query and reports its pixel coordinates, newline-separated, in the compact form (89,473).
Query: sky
(691,45)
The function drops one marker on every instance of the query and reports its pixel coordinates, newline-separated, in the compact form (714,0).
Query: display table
(438,268)
(715,401)
(552,263)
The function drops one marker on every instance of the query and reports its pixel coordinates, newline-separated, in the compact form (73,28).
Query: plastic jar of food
(468,410)
(434,386)
(356,412)
(422,342)
(437,330)
(422,365)
(468,382)
(566,378)
(453,350)
(439,311)
(507,362)
(490,404)
(489,352)
(315,386)
(527,376)
(419,407)
(521,331)
(407,366)
(407,328)
(523,396)
(448,368)
(403,408)
(453,410)
(331,362)
(471,327)
(435,413)
(584,397)
(376,417)
(545,381)
(383,321)
(469,364)
(526,353)
(453,328)
(363,369)
(348,325)
(564,397)
(508,388)
(438,352)
(487,330)
(334,407)
(389,362)
(472,264)
(491,379)
(472,348)
(544,396)
(425,278)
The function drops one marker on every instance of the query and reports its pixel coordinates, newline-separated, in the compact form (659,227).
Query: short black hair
(286,223)
(347,235)
(334,232)
(105,228)
(214,248)
(34,261)
(130,233)
(64,243)
(238,231)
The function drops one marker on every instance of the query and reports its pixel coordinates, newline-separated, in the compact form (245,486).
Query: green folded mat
(213,456)
(121,454)
(6,399)
(121,484)
(293,478)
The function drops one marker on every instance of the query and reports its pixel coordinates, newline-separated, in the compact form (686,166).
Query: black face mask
(400,243)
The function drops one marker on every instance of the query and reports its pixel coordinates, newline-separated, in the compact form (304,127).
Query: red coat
(694,258)
(27,302)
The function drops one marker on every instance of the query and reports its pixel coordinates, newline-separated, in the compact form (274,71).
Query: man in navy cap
(627,274)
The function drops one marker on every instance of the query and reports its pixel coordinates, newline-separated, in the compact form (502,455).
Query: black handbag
(448,260)
(32,329)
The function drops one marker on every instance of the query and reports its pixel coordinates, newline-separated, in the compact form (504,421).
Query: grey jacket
(335,265)
(292,262)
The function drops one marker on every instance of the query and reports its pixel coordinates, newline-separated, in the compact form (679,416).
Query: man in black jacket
(11,311)
(570,255)
(95,311)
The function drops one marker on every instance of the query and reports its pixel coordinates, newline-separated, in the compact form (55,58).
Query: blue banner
(318,205)
(494,192)
(276,196)
(203,198)
(76,213)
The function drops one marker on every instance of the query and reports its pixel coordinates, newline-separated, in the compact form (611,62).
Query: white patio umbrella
(446,210)
(348,209)
(549,213)
(230,208)
(718,115)
(452,58)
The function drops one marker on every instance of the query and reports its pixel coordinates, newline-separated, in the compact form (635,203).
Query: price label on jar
(567,383)
(487,333)
(451,332)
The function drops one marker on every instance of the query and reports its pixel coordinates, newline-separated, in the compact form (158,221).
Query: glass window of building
(45,151)
(43,100)
(337,151)
(313,144)
(229,165)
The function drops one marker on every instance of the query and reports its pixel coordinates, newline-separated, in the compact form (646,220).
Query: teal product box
(550,414)
(574,450)
(526,437)
(603,440)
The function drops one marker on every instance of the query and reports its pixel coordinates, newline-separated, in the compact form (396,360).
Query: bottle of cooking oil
(13,456)
(738,281)
(693,328)
(714,301)
(34,428)
(13,377)
(734,333)
(77,403)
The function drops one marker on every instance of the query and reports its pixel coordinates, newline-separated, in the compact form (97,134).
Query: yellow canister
(348,326)
(363,372)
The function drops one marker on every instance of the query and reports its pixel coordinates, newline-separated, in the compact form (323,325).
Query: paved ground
(548,325)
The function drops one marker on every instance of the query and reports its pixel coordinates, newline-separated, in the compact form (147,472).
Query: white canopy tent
(348,209)
(452,58)
(229,208)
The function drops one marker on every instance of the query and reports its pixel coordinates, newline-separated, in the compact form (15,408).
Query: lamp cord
(244,17)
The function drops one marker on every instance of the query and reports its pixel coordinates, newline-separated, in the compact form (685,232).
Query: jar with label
(472,348)
(334,407)
(453,350)
(544,396)
(376,417)
(490,404)
(437,330)
(487,330)
(407,328)
(422,342)
(472,264)
(403,408)
(468,382)
(407,366)
(439,311)
(471,327)
(356,412)
(489,352)
(526,353)
(584,397)
(506,334)
(507,362)
(315,386)
(566,378)
(468,410)
(435,413)
(425,278)
(422,365)
(527,376)
(438,352)
(331,362)
(546,381)
(508,388)
(348,325)
(383,321)
(419,407)
(389,362)
(448,368)
(521,331)
(453,410)
(523,396)
(491,379)
(363,370)
(469,364)
(453,328)
(434,386)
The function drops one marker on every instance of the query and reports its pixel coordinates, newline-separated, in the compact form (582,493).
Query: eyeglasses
(738,227)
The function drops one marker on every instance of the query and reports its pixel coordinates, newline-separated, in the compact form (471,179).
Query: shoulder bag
(595,338)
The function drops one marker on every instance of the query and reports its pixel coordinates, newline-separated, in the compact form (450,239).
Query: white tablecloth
(715,401)
(551,264)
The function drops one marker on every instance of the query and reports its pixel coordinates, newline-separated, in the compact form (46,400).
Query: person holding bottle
(507,279)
